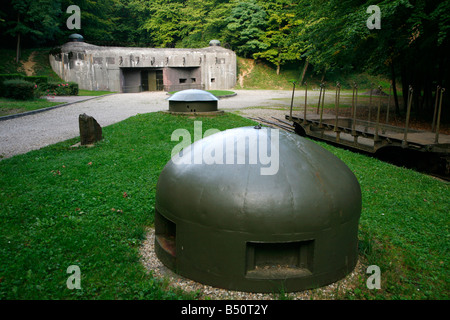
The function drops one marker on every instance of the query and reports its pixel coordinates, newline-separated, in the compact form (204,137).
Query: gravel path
(31,132)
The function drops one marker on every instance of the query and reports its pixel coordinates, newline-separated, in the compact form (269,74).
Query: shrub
(19,89)
(61,89)
(73,88)
(39,80)
(4,77)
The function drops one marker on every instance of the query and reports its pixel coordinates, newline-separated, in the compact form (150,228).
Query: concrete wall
(110,68)
(179,77)
(131,80)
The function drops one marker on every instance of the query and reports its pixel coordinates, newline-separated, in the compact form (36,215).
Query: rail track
(396,158)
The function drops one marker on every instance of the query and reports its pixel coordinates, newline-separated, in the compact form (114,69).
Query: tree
(98,22)
(412,44)
(203,21)
(245,26)
(277,36)
(36,21)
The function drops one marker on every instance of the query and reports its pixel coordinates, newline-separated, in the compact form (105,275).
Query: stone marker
(90,130)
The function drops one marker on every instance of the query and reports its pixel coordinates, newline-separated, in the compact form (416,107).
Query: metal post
(436,140)
(336,104)
(336,128)
(306,100)
(370,107)
(408,113)
(292,101)
(378,117)
(433,125)
(320,96)
(389,104)
(354,104)
(321,110)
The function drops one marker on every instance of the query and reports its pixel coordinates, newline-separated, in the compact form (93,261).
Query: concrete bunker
(227,225)
(133,69)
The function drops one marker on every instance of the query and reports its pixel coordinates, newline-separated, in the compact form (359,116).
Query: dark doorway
(152,80)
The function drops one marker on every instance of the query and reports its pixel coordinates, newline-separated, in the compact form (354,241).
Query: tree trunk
(304,71)
(18,41)
(394,89)
(406,82)
(323,75)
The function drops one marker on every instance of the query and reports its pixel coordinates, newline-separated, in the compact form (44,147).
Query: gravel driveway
(31,132)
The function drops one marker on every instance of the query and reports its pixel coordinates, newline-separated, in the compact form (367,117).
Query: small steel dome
(75,37)
(214,43)
(288,222)
(191,95)
(193,101)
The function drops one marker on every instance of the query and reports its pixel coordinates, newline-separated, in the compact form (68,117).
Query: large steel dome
(257,209)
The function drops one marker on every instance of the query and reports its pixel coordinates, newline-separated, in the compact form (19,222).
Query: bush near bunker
(19,89)
(61,89)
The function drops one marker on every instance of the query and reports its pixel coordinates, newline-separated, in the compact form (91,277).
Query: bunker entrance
(142,79)
(152,80)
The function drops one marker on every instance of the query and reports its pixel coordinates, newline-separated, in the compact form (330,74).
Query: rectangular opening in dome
(165,233)
(279,260)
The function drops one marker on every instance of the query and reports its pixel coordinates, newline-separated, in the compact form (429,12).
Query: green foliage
(11,76)
(12,106)
(331,35)
(97,19)
(61,89)
(245,26)
(19,89)
(403,229)
(39,80)
(62,206)
(279,45)
(36,19)
(8,64)
(4,77)
(41,67)
(262,75)
(29,20)
(412,44)
(165,23)
(93,93)
(205,21)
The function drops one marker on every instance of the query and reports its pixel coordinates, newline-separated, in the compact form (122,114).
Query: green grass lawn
(93,93)
(90,207)
(11,106)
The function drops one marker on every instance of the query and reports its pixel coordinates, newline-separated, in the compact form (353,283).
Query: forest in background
(411,47)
